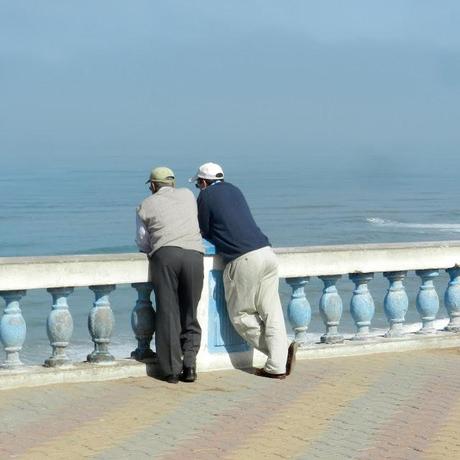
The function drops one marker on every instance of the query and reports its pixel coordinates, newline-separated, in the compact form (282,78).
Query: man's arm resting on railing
(142,235)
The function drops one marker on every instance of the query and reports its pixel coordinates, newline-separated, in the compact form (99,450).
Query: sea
(75,203)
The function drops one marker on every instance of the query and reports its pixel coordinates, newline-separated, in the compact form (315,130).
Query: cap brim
(193,179)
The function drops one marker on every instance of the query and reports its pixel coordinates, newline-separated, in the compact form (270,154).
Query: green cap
(161,174)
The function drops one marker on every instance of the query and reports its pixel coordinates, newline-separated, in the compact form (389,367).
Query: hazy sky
(236,76)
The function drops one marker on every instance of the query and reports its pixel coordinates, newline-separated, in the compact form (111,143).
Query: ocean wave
(106,250)
(442,227)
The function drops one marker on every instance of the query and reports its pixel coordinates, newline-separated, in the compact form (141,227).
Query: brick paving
(385,406)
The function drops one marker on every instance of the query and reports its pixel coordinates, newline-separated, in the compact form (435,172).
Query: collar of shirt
(164,189)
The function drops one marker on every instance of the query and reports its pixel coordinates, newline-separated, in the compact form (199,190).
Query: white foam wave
(442,227)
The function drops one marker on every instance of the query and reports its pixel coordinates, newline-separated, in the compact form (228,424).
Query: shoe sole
(263,373)
(291,358)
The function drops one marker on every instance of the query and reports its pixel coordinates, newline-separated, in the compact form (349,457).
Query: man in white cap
(251,272)
(168,231)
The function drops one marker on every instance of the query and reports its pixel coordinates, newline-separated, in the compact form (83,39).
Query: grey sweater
(170,218)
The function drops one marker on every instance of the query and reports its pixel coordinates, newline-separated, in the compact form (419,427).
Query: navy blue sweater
(226,221)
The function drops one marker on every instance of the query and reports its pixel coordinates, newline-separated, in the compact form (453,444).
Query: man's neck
(164,187)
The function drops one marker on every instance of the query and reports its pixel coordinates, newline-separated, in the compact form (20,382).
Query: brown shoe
(263,373)
(290,362)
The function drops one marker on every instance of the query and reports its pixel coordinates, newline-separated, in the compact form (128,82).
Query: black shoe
(263,373)
(188,374)
(171,379)
(290,362)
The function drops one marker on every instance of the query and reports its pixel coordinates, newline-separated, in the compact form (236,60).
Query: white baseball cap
(209,171)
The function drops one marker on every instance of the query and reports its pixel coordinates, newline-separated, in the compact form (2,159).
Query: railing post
(427,300)
(59,326)
(100,324)
(396,303)
(12,328)
(452,299)
(143,322)
(330,308)
(362,307)
(299,310)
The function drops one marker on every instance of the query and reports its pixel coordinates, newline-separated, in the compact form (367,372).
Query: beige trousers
(254,306)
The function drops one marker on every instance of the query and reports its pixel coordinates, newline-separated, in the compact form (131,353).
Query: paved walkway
(398,406)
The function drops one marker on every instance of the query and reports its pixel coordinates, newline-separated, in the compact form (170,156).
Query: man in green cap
(168,231)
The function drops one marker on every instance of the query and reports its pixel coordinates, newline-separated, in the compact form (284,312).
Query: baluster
(330,308)
(362,307)
(59,326)
(396,303)
(209,248)
(427,300)
(452,299)
(143,321)
(100,324)
(299,310)
(12,328)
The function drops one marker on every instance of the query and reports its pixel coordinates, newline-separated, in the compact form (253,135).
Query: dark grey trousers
(177,277)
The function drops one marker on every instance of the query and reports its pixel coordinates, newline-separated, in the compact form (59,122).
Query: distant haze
(203,78)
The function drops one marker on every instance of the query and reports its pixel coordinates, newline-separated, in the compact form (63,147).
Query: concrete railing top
(85,270)
(366,258)
(74,270)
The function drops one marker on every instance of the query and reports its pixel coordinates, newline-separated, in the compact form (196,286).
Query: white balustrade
(359,263)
